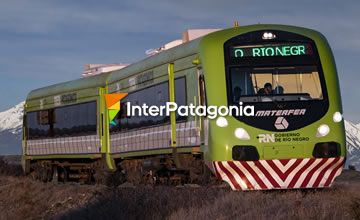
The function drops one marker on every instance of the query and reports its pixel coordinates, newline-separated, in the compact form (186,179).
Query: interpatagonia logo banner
(113,105)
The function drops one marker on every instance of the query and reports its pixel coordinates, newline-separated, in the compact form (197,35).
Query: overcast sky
(46,42)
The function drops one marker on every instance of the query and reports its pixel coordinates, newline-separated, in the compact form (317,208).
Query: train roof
(102,79)
(78,84)
(161,58)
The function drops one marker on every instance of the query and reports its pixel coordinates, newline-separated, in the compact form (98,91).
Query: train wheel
(63,174)
(42,172)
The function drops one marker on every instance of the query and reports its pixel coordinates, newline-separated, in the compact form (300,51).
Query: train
(294,139)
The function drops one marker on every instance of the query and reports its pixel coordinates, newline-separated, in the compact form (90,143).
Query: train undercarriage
(162,169)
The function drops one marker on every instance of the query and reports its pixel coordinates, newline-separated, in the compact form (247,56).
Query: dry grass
(340,202)
(10,169)
(330,204)
(23,198)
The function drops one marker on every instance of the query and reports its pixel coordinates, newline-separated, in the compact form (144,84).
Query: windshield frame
(248,39)
(259,97)
(312,110)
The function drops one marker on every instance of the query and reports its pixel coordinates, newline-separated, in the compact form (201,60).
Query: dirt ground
(24,198)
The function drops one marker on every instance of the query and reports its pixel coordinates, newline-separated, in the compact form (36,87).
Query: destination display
(273,50)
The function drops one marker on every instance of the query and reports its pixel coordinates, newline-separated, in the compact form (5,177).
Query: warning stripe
(279,174)
(334,174)
(306,173)
(241,174)
(256,178)
(322,173)
(234,182)
(309,176)
(267,174)
(300,172)
(287,172)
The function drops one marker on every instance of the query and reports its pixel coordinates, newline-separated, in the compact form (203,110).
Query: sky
(44,42)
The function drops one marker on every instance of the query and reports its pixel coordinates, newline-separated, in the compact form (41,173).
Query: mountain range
(11,127)
(10,130)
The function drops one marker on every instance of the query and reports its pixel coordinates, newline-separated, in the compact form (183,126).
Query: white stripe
(261,175)
(327,173)
(305,173)
(318,171)
(283,168)
(248,175)
(290,177)
(63,141)
(236,176)
(272,173)
(224,176)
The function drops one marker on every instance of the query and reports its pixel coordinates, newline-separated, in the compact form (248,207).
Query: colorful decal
(113,105)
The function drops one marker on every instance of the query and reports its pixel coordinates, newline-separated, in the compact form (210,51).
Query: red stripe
(267,174)
(299,172)
(257,178)
(311,173)
(241,174)
(229,175)
(332,174)
(284,162)
(254,175)
(282,175)
(322,173)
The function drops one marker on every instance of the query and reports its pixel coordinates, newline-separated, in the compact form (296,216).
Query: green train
(294,139)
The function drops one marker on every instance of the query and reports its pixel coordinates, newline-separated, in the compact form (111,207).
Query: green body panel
(282,151)
(172,99)
(85,95)
(86,89)
(221,140)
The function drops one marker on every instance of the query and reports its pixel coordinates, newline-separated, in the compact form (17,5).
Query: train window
(43,117)
(35,129)
(180,95)
(275,84)
(73,120)
(156,95)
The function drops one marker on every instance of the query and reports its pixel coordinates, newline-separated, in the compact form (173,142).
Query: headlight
(221,122)
(268,36)
(337,117)
(242,134)
(322,130)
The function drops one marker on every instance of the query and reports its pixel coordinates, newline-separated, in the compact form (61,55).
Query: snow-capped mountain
(352,144)
(11,124)
(11,119)
(10,130)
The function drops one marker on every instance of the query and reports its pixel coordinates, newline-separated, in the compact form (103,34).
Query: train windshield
(273,84)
